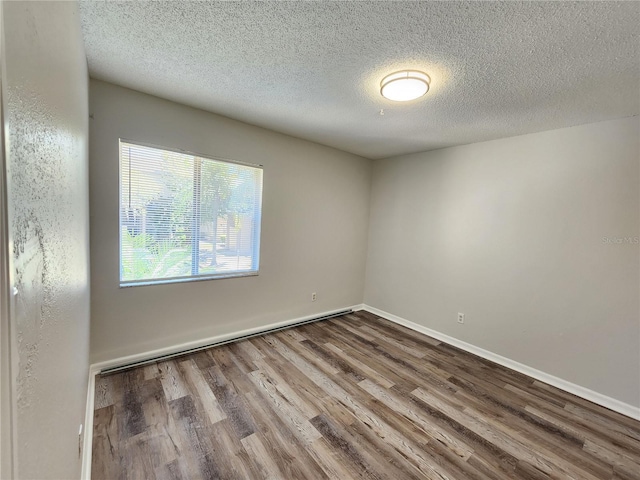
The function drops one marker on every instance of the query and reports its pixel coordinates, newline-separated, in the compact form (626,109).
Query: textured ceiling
(312,69)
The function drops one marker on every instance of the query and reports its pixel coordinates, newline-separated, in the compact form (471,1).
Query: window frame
(257,234)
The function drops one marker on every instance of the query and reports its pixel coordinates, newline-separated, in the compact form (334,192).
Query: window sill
(200,278)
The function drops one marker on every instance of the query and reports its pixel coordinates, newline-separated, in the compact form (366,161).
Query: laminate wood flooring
(354,397)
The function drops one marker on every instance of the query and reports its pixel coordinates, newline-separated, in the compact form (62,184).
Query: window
(185,217)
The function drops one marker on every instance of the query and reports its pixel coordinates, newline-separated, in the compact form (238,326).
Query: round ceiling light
(405,85)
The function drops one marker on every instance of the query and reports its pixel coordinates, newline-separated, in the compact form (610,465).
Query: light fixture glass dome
(405,85)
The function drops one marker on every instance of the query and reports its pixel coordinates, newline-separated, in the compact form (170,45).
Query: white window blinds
(186,217)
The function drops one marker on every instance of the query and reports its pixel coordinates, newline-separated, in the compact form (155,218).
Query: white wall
(314,228)
(512,233)
(46,128)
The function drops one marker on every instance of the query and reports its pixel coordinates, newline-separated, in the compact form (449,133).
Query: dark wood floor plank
(412,370)
(362,355)
(332,359)
(397,332)
(271,376)
(416,417)
(172,381)
(387,362)
(228,451)
(195,440)
(450,462)
(485,452)
(409,449)
(289,413)
(204,397)
(107,461)
(548,390)
(359,460)
(545,436)
(384,451)
(309,391)
(107,388)
(258,455)
(530,398)
(231,403)
(242,358)
(507,437)
(587,430)
(291,454)
(353,397)
(364,370)
(592,417)
(130,415)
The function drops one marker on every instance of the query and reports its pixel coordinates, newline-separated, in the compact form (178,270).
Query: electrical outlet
(460,317)
(314,296)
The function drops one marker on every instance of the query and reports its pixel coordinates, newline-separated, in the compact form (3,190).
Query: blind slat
(183,216)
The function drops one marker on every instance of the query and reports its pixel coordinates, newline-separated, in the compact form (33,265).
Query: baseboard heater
(181,353)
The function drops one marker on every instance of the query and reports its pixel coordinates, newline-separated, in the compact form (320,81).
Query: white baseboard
(87,439)
(582,392)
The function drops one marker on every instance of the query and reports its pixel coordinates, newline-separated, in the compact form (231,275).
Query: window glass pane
(183,216)
(228,216)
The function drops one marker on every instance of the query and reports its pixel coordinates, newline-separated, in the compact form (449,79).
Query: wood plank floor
(355,397)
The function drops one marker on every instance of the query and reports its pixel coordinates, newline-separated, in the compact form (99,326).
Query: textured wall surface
(315,215)
(5,370)
(534,238)
(47,133)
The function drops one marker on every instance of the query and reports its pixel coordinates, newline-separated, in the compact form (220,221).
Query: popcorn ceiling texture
(47,120)
(312,69)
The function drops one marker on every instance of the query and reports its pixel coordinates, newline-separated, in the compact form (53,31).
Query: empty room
(295,240)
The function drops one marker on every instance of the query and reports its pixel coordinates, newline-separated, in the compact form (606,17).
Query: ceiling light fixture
(405,85)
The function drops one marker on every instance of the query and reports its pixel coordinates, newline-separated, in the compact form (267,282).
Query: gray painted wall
(5,372)
(523,236)
(46,114)
(314,228)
